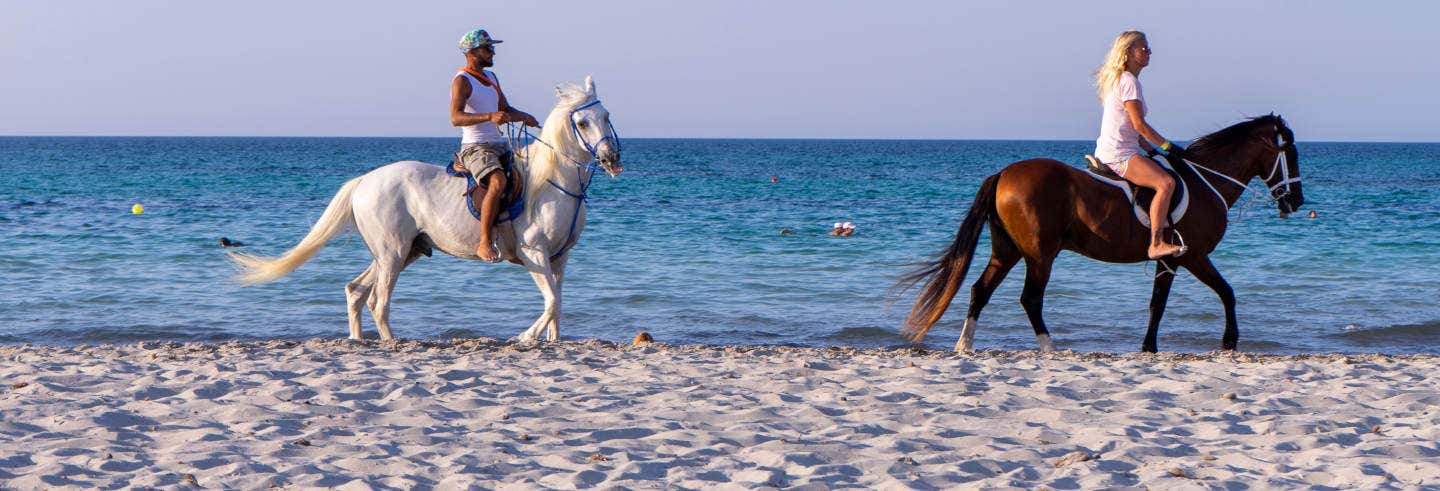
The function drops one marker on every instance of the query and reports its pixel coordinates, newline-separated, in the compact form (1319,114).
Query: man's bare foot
(487,253)
(1162,250)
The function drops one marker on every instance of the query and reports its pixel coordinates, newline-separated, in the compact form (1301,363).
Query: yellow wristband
(1166,146)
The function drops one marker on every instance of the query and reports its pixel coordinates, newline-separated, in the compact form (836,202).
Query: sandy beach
(592,414)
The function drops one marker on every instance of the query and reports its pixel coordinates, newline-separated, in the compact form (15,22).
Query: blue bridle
(610,134)
(581,168)
(583,196)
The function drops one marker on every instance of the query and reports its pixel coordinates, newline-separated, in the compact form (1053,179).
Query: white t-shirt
(1118,138)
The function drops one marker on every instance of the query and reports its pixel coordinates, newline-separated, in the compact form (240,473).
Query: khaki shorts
(480,159)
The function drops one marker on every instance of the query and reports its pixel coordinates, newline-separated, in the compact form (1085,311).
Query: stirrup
(1181,239)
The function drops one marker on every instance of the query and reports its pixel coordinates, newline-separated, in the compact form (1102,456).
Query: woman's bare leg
(1145,172)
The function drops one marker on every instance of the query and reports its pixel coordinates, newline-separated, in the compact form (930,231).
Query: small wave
(630,299)
(737,336)
(181,334)
(865,336)
(1425,335)
(463,333)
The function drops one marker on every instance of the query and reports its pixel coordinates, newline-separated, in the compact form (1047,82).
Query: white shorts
(1119,167)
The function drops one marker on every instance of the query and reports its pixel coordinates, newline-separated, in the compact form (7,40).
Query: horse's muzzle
(1290,202)
(612,167)
(610,161)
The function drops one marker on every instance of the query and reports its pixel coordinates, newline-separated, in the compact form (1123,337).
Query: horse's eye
(583,123)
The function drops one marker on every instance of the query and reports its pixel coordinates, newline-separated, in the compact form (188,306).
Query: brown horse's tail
(944,275)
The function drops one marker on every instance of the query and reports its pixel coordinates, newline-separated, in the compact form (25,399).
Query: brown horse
(1038,207)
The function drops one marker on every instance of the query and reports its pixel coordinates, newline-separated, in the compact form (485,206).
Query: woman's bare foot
(487,253)
(1162,250)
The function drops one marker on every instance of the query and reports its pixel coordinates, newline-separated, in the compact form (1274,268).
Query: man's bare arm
(459,93)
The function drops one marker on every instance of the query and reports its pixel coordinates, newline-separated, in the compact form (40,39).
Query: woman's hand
(1171,148)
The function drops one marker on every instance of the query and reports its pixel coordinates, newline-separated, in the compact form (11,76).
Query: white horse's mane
(542,159)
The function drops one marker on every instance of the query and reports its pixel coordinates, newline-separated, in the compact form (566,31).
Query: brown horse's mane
(1234,134)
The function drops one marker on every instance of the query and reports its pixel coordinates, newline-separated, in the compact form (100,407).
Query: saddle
(1140,196)
(512,201)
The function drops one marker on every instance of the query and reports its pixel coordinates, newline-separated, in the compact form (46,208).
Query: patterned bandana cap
(475,39)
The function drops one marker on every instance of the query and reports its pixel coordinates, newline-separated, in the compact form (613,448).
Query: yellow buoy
(137,209)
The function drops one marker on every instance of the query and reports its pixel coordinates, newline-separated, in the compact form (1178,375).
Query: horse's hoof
(1046,344)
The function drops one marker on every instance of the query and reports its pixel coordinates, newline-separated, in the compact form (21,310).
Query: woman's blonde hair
(1115,61)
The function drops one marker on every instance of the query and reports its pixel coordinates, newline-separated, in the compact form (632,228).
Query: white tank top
(483,99)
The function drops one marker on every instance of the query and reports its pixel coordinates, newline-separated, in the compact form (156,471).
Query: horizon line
(673,138)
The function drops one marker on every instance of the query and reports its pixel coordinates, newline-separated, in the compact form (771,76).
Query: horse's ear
(1280,128)
(589,86)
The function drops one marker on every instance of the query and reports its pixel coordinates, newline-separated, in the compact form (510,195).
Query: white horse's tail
(337,216)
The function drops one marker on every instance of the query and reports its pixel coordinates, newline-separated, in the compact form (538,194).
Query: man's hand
(524,118)
(500,117)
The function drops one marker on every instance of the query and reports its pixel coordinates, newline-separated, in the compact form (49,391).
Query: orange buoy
(642,338)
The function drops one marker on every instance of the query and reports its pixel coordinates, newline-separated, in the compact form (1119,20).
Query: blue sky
(801,69)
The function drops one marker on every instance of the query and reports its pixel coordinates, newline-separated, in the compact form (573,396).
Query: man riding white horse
(405,210)
(478,107)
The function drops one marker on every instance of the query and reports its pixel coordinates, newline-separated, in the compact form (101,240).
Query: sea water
(686,245)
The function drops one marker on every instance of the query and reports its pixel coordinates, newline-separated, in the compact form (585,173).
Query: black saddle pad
(1143,195)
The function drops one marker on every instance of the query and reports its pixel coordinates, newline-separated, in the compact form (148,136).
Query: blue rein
(580,200)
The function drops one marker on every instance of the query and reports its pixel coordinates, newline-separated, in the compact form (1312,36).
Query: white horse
(405,209)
